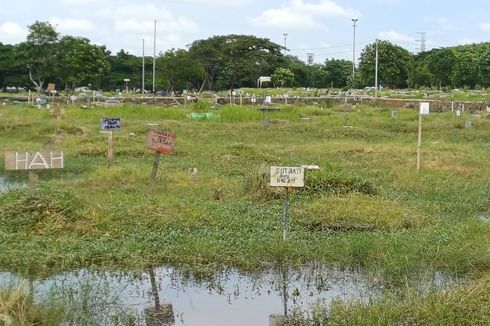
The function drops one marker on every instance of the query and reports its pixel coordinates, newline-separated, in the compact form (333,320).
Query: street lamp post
(285,42)
(354,21)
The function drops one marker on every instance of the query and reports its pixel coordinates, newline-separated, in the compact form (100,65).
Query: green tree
(124,65)
(337,72)
(80,62)
(465,70)
(40,52)
(440,64)
(234,59)
(13,69)
(484,65)
(394,63)
(420,75)
(179,70)
(282,77)
(300,70)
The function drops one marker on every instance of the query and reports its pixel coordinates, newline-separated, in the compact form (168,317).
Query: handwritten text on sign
(287,176)
(160,141)
(110,124)
(33,160)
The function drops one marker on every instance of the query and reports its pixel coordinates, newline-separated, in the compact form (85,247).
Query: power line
(332,47)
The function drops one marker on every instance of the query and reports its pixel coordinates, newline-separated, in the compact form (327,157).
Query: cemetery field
(212,208)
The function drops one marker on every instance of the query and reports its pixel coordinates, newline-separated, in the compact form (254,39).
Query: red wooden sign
(161,141)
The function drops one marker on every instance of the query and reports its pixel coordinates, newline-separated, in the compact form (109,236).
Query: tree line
(228,62)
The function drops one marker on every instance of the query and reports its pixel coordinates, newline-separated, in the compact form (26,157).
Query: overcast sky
(323,27)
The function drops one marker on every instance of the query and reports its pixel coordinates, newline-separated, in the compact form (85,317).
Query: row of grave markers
(158,141)
(163,142)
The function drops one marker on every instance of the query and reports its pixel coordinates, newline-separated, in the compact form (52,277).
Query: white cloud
(216,3)
(394,36)
(71,26)
(285,19)
(445,23)
(140,19)
(485,26)
(467,41)
(124,27)
(12,33)
(80,3)
(299,14)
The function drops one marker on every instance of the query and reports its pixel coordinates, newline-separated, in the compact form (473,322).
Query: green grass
(367,207)
(465,305)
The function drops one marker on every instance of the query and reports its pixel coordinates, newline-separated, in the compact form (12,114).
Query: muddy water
(4,184)
(180,298)
(229,298)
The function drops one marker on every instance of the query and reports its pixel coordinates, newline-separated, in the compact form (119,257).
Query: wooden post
(32,182)
(419,142)
(286,211)
(110,150)
(156,163)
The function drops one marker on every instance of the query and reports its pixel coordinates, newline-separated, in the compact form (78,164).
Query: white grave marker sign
(424,108)
(110,124)
(287,176)
(33,160)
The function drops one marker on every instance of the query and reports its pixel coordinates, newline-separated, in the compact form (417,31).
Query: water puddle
(5,185)
(171,297)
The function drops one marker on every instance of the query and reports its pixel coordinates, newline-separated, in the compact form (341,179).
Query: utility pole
(285,35)
(143,70)
(376,73)
(354,21)
(154,52)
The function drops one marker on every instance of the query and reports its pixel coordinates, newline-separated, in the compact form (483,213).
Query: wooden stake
(419,142)
(32,182)
(286,216)
(110,150)
(156,163)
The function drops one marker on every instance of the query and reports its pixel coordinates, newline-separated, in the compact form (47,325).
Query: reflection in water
(159,315)
(5,184)
(165,296)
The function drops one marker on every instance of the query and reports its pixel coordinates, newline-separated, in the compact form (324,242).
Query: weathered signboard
(287,176)
(110,124)
(33,160)
(160,141)
(424,108)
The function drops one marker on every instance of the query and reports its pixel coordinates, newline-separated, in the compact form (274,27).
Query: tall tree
(440,64)
(80,62)
(179,70)
(393,61)
(230,56)
(40,52)
(282,77)
(337,72)
(300,70)
(124,65)
(13,70)
(465,70)
(484,65)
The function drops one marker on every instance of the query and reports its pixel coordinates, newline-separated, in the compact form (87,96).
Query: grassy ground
(366,207)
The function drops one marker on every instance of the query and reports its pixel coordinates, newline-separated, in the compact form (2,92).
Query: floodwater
(226,298)
(5,184)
